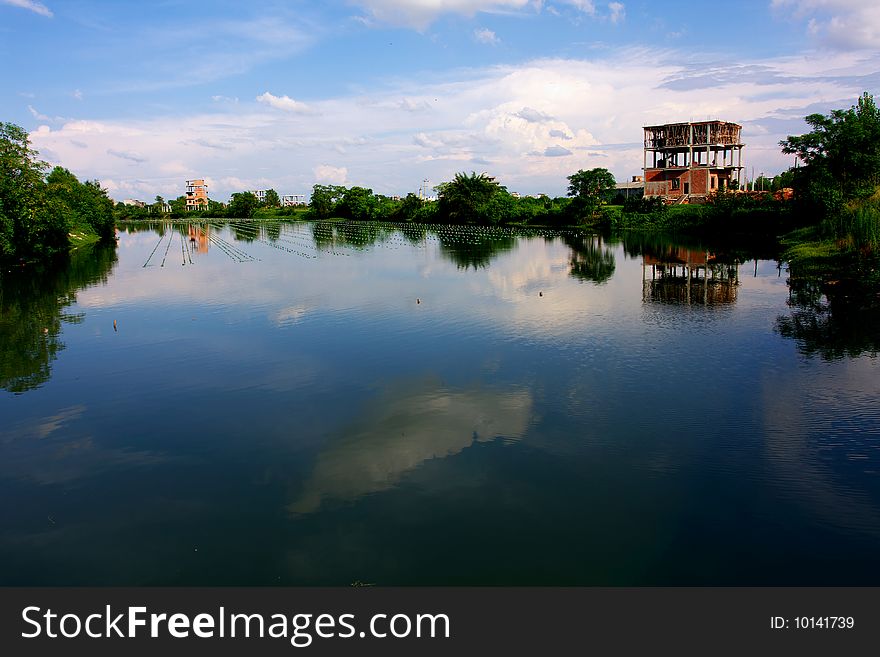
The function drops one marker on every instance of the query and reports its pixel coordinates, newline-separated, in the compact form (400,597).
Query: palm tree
(465,198)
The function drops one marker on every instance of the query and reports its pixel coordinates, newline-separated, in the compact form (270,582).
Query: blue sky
(386,93)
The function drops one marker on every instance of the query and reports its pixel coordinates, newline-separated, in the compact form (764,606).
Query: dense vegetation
(44,214)
(838,189)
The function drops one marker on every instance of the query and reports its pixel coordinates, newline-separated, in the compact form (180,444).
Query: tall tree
(272,200)
(242,205)
(322,204)
(841,155)
(589,189)
(86,203)
(357,203)
(467,198)
(22,192)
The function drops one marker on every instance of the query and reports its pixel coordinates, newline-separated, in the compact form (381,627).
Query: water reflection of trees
(468,248)
(32,311)
(590,259)
(350,234)
(832,321)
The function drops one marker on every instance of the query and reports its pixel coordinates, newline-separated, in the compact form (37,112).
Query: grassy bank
(845,245)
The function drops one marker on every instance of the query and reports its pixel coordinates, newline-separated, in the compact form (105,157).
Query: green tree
(242,205)
(322,204)
(272,199)
(86,203)
(590,260)
(215,208)
(358,203)
(23,211)
(467,198)
(178,206)
(841,155)
(408,208)
(588,190)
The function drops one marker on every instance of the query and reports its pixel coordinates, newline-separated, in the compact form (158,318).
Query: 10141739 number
(824,622)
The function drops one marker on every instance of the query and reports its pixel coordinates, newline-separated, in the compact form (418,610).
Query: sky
(386,94)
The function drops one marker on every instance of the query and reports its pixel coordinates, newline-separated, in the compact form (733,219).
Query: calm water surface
(325,404)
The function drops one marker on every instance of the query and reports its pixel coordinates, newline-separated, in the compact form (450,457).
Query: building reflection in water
(687,276)
(198,237)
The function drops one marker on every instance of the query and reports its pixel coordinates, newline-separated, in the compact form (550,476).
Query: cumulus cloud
(487,36)
(284,103)
(31,5)
(516,116)
(324,173)
(533,115)
(841,24)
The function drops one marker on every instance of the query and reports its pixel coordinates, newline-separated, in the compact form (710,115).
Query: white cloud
(414,105)
(285,103)
(586,6)
(37,115)
(841,24)
(487,36)
(324,173)
(76,93)
(516,117)
(617,12)
(533,115)
(32,5)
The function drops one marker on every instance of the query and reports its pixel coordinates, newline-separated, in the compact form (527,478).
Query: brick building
(689,161)
(196,195)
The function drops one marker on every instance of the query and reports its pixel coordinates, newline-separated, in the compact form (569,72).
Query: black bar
(482,621)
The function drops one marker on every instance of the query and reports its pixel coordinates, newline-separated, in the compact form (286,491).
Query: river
(329,404)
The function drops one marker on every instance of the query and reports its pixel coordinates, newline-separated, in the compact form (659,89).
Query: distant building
(293,199)
(689,161)
(260,194)
(196,195)
(633,189)
(134,203)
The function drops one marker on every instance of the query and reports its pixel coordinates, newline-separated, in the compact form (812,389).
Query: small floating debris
(114,326)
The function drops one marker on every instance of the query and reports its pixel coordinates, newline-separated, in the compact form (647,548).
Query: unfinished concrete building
(686,162)
(196,195)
